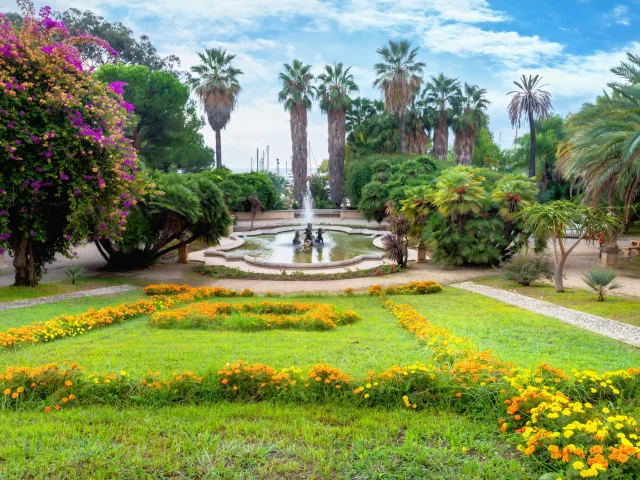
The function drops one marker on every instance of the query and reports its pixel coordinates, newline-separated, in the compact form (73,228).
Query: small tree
(396,244)
(67,172)
(256,206)
(417,207)
(554,219)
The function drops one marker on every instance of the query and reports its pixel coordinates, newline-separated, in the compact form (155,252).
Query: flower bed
(163,297)
(255,316)
(412,288)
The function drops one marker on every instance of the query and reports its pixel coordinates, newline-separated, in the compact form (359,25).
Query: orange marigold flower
(72,397)
(58,407)
(47,409)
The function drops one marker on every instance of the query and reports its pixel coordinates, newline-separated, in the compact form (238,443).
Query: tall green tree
(471,118)
(529,103)
(444,93)
(336,86)
(603,145)
(296,95)
(165,125)
(399,76)
(216,84)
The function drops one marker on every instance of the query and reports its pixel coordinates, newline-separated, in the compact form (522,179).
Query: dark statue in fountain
(319,239)
(308,245)
(296,238)
(308,233)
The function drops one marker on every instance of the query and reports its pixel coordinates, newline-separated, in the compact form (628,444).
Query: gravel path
(65,296)
(603,326)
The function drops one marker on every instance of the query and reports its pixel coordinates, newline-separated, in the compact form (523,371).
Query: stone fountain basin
(238,239)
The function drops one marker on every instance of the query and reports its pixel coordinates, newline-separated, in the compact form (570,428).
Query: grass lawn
(271,440)
(10,294)
(254,441)
(617,308)
(522,337)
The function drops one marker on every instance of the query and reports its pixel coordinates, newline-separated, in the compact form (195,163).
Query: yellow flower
(577,465)
(123,373)
(7,391)
(605,410)
(568,433)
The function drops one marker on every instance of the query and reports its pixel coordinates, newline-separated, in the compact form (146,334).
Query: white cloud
(619,15)
(507,47)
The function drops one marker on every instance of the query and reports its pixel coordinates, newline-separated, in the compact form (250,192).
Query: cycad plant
(444,93)
(296,95)
(459,192)
(336,86)
(599,280)
(399,76)
(512,193)
(215,82)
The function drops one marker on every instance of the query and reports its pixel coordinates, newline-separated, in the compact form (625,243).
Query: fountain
(307,215)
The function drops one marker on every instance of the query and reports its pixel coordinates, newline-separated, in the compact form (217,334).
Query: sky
(572,44)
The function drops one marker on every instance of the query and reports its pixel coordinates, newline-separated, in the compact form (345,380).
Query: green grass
(254,441)
(221,271)
(519,336)
(10,294)
(617,308)
(17,317)
(277,440)
(376,342)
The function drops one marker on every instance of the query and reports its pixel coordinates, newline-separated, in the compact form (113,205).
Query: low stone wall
(291,214)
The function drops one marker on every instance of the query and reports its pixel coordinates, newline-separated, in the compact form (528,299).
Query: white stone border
(622,332)
(238,239)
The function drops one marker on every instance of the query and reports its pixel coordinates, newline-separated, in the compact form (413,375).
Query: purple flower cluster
(118,87)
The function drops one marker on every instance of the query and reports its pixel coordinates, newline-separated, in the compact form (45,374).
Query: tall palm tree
(360,111)
(530,103)
(336,84)
(399,76)
(472,117)
(603,145)
(216,84)
(296,95)
(444,93)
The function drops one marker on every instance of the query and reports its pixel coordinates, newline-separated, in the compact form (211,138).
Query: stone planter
(609,257)
(422,255)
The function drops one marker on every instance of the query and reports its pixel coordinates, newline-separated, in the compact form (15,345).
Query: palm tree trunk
(218,149)
(337,136)
(532,151)
(458,149)
(299,151)
(403,139)
(441,140)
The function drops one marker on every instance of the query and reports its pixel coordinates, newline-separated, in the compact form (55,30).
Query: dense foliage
(238,187)
(181,209)
(165,126)
(67,173)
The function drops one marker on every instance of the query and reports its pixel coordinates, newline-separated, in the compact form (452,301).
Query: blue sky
(571,43)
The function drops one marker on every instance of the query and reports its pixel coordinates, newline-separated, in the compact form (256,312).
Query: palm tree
(418,124)
(360,111)
(336,83)
(217,86)
(603,145)
(466,126)
(530,103)
(399,76)
(444,93)
(296,95)
(458,193)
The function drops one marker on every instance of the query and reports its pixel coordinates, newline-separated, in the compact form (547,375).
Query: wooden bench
(633,245)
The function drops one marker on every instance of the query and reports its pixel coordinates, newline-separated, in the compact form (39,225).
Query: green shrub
(526,269)
(599,280)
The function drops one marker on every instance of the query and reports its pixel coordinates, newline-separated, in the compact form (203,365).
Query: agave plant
(599,280)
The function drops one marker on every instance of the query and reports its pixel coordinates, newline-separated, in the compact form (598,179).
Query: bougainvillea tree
(67,173)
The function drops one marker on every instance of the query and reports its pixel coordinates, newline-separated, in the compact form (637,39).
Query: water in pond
(280,249)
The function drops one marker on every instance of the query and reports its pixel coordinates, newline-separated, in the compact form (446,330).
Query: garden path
(65,296)
(603,326)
